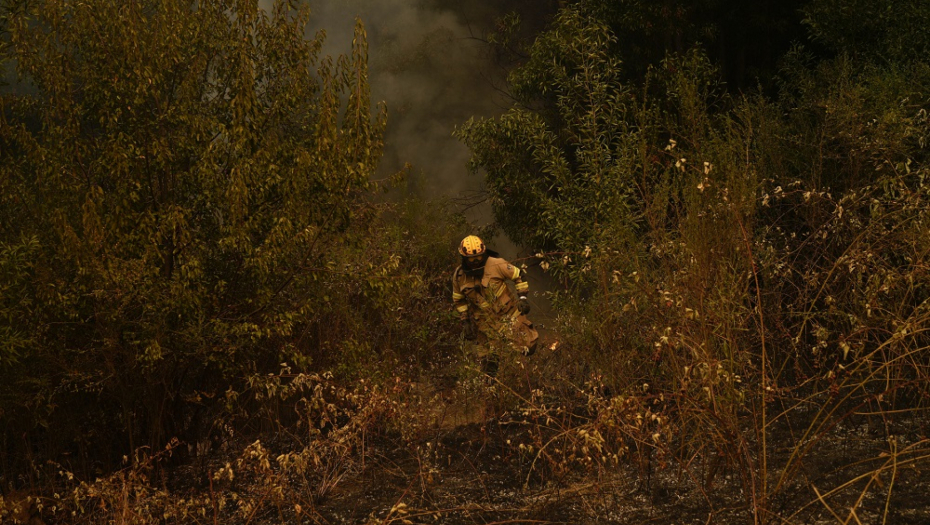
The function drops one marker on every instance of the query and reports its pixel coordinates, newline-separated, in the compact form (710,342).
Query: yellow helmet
(471,246)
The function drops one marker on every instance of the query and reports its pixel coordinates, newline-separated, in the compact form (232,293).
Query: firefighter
(491,315)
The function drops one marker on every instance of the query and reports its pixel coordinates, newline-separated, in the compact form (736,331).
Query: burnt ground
(469,468)
(460,448)
(472,474)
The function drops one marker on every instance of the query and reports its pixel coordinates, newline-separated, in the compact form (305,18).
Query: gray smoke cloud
(425,63)
(428,63)
(429,70)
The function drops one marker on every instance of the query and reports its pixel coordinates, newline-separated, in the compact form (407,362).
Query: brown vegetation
(209,317)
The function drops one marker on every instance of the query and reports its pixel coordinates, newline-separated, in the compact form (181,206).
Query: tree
(744,40)
(172,173)
(727,254)
(873,31)
(553,158)
(582,161)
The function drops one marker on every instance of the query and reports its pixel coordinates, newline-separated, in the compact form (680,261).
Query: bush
(187,201)
(726,261)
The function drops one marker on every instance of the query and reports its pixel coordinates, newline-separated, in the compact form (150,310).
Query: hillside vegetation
(209,313)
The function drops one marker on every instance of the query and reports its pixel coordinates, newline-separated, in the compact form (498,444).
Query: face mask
(476,261)
(474,266)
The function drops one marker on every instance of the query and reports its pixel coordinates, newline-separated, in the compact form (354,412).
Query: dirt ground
(469,473)
(470,452)
(470,470)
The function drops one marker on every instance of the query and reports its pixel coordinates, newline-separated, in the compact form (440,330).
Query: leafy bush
(186,200)
(726,261)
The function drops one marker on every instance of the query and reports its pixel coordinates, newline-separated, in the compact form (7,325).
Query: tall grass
(775,301)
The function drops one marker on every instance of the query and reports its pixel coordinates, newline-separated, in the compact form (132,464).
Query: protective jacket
(488,299)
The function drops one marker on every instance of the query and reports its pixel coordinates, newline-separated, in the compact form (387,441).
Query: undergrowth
(742,291)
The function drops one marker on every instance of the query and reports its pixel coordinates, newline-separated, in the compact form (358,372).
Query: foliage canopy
(176,178)
(713,244)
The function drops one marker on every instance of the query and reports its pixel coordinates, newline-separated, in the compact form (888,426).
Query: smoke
(428,64)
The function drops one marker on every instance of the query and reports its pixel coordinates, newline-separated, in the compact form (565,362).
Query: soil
(466,462)
(469,470)
(469,474)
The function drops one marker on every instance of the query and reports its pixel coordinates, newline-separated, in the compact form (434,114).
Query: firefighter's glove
(523,305)
(528,351)
(469,329)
